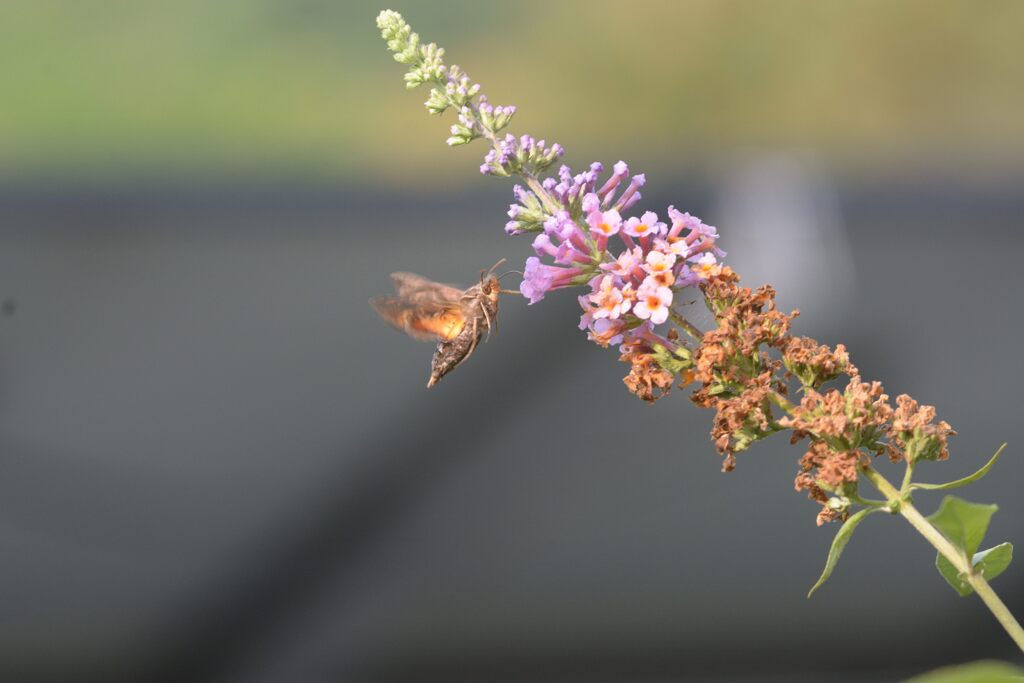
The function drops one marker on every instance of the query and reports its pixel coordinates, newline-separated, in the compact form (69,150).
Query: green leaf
(988,564)
(975,672)
(839,544)
(992,562)
(966,480)
(952,576)
(963,523)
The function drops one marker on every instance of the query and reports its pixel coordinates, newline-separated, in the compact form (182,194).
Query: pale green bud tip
(390,21)
(399,36)
(838,504)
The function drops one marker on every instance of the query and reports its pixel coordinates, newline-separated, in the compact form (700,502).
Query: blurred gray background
(217,464)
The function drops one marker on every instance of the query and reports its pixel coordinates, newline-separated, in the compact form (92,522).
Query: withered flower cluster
(841,426)
(738,378)
(647,378)
(744,367)
(915,431)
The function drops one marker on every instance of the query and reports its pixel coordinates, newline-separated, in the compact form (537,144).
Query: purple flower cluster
(476,119)
(633,287)
(514,155)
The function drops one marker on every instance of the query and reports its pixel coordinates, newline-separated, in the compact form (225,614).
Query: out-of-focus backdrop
(217,464)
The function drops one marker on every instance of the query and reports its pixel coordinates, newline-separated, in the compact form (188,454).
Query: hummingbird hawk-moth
(431,311)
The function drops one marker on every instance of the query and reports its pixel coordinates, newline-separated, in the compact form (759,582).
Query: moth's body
(429,310)
(480,310)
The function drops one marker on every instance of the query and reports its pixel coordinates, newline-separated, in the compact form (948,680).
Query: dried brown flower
(646,378)
(740,380)
(823,468)
(915,430)
(855,418)
(815,364)
(742,419)
(737,378)
(827,514)
(746,320)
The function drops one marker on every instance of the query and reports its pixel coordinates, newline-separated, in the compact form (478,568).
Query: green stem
(546,199)
(856,498)
(685,324)
(781,401)
(532,182)
(960,561)
(907,477)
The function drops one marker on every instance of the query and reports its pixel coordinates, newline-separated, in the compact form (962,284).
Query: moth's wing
(423,309)
(419,322)
(411,286)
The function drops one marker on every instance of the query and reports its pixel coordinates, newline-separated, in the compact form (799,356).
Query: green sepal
(585,278)
(438,102)
(674,363)
(987,563)
(839,544)
(717,389)
(966,480)
(744,437)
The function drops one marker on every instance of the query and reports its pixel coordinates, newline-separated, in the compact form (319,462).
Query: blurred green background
(305,88)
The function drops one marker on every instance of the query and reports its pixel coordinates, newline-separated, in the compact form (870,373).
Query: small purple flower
(686,277)
(685,221)
(606,332)
(588,312)
(705,266)
(631,195)
(611,301)
(619,171)
(659,262)
(605,223)
(626,264)
(652,302)
(645,226)
(673,245)
(560,226)
(539,278)
(543,246)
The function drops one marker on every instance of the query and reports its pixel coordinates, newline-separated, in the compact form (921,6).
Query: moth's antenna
(510,291)
(485,273)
